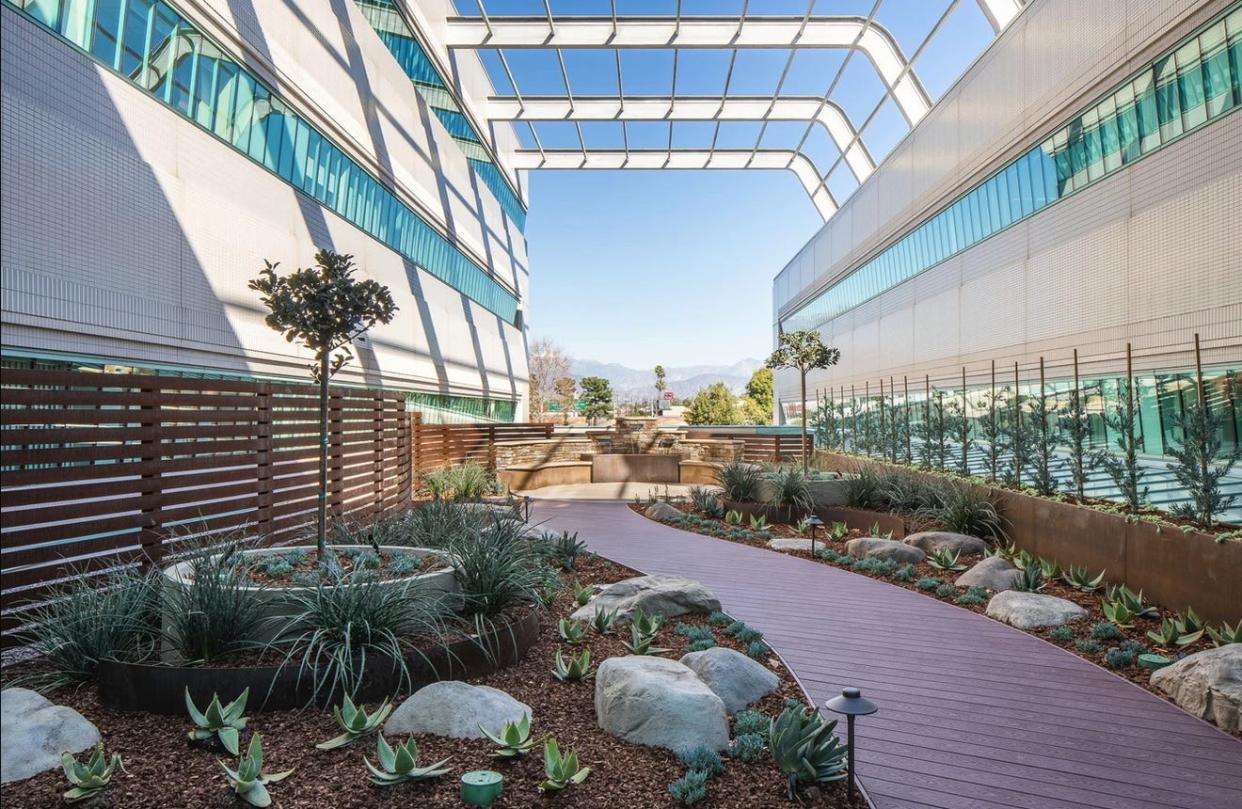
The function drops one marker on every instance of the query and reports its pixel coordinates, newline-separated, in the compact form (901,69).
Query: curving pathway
(973,714)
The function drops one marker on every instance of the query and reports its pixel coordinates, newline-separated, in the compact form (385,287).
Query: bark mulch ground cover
(1086,638)
(163,769)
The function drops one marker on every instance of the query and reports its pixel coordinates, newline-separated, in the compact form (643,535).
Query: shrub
(747,747)
(970,599)
(702,759)
(791,489)
(1088,646)
(468,481)
(216,610)
(1119,658)
(750,722)
(690,788)
(1105,631)
(496,568)
(717,618)
(965,509)
(92,619)
(757,648)
(701,645)
(564,548)
(905,573)
(740,481)
(1061,634)
(945,590)
(928,583)
(706,501)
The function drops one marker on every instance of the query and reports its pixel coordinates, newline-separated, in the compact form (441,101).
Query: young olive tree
(803,351)
(324,308)
(1201,465)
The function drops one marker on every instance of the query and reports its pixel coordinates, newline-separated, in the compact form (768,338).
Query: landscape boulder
(662,512)
(879,548)
(931,541)
(1032,610)
(1207,684)
(455,709)
(659,703)
(36,732)
(994,573)
(662,595)
(734,677)
(793,544)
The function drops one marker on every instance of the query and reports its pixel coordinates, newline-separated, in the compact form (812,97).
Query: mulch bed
(1081,630)
(163,769)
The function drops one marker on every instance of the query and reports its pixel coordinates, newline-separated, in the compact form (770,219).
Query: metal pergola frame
(734,33)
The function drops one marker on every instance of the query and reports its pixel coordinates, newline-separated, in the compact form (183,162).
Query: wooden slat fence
(436,446)
(101,470)
(760,448)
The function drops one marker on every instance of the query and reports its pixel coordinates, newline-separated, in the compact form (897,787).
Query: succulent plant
(1118,613)
(1051,568)
(1030,579)
(578,667)
(225,722)
(1226,634)
(751,722)
(90,778)
(248,780)
(703,759)
(602,619)
(582,594)
(1166,635)
(641,643)
(928,583)
(646,624)
(758,522)
(561,769)
(571,631)
(1080,579)
(701,645)
(356,722)
(400,764)
(1189,627)
(747,747)
(757,648)
(839,530)
(1105,631)
(718,618)
(805,748)
(1061,634)
(513,740)
(944,559)
(733,517)
(690,788)
(1133,601)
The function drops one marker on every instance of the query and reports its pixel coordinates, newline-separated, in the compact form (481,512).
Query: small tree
(939,429)
(991,430)
(803,351)
(1076,427)
(660,383)
(548,364)
(1201,465)
(1044,440)
(957,425)
(714,404)
(1124,468)
(566,390)
(324,308)
(1017,439)
(757,403)
(596,397)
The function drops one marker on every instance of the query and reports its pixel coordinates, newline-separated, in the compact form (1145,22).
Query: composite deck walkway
(972,714)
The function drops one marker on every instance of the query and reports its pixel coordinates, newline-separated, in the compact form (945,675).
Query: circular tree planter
(160,689)
(276,599)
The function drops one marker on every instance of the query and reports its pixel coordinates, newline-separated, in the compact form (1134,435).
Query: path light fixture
(851,704)
(526,504)
(816,523)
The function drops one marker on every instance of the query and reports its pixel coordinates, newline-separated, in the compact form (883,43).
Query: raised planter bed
(160,689)
(825,492)
(853,517)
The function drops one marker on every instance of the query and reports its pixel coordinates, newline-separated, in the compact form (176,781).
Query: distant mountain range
(684,382)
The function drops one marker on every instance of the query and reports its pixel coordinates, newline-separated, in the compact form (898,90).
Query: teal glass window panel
(134,38)
(1190,84)
(105,40)
(1168,99)
(1218,88)
(44,11)
(1148,115)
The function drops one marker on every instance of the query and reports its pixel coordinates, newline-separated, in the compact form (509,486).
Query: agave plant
(1051,568)
(758,522)
(1167,634)
(602,620)
(356,722)
(1080,579)
(805,748)
(1030,579)
(646,624)
(642,644)
(514,739)
(224,722)
(88,780)
(400,764)
(561,769)
(1132,600)
(578,667)
(1226,634)
(582,594)
(248,780)
(733,517)
(839,530)
(1190,628)
(944,559)
(1117,612)
(571,631)
(803,526)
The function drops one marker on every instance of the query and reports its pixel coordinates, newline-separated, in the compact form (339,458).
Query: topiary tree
(803,351)
(324,308)
(596,397)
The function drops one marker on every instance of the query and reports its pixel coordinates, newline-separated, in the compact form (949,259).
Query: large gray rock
(734,677)
(455,709)
(1207,684)
(994,573)
(657,595)
(662,512)
(36,733)
(660,703)
(931,541)
(1032,610)
(793,544)
(878,548)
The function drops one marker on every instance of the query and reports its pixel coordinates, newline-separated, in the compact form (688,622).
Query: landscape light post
(851,704)
(815,522)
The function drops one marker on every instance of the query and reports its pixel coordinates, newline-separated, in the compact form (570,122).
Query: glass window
(1110,143)
(1168,99)
(1148,115)
(1217,86)
(1190,84)
(1127,124)
(109,17)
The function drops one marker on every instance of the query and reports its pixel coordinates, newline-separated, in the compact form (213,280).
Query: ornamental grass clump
(214,609)
(702,759)
(690,788)
(965,509)
(747,748)
(497,568)
(749,721)
(791,490)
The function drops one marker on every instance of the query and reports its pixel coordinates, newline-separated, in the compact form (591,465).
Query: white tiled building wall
(1149,256)
(129,233)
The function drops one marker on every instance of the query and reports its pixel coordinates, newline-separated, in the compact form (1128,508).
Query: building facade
(1078,189)
(156,153)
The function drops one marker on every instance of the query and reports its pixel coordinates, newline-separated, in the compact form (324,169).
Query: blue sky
(640,267)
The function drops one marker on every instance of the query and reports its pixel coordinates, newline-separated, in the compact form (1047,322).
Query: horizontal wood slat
(101,470)
(439,445)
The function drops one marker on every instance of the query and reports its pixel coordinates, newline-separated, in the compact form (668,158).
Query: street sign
(668,394)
